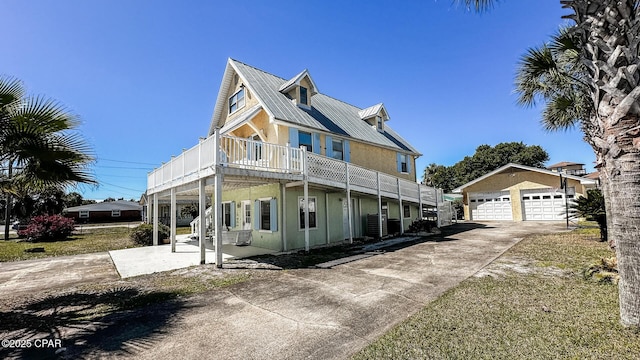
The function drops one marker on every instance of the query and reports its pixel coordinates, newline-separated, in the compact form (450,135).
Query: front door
(246,215)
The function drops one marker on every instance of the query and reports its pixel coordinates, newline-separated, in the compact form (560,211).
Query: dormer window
(375,116)
(303,96)
(236,101)
(379,123)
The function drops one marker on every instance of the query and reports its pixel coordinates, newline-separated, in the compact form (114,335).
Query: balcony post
(217,211)
(419,201)
(216,148)
(400,205)
(173,219)
(349,207)
(305,178)
(155,219)
(202,209)
(379,206)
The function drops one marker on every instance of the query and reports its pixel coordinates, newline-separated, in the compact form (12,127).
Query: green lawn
(97,240)
(547,312)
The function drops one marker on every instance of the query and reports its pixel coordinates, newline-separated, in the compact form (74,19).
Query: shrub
(143,234)
(48,228)
(421,225)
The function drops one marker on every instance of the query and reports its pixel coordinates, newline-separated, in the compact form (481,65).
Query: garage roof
(523,167)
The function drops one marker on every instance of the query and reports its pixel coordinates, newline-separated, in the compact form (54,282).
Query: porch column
(155,219)
(326,215)
(217,203)
(400,205)
(419,201)
(147,217)
(202,209)
(283,218)
(349,207)
(217,217)
(305,177)
(379,207)
(173,219)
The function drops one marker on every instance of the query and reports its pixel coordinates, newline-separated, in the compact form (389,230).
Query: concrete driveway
(332,313)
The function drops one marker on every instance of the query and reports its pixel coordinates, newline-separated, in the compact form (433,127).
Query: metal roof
(289,84)
(121,205)
(370,111)
(582,180)
(326,114)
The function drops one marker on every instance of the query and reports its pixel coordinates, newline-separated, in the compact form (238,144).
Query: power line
(127,162)
(125,167)
(122,187)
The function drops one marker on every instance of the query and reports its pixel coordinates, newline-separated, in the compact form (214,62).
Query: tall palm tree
(39,147)
(608,34)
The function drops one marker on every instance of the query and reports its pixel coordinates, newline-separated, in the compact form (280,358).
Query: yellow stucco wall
(514,180)
(249,99)
(379,159)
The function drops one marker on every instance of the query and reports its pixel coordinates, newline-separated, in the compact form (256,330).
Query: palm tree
(592,207)
(608,36)
(39,147)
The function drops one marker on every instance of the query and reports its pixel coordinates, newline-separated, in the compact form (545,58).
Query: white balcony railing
(234,152)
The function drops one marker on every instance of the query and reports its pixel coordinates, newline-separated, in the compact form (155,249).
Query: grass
(539,314)
(183,230)
(97,240)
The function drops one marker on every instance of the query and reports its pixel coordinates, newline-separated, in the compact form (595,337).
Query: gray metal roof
(370,111)
(121,205)
(326,114)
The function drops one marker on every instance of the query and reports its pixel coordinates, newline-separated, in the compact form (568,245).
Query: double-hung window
(226,214)
(304,139)
(266,215)
(236,101)
(404,160)
(337,149)
(312,212)
(304,100)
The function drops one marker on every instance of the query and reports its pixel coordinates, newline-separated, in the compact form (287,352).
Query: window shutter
(274,215)
(233,214)
(315,143)
(346,151)
(293,138)
(399,161)
(256,215)
(328,146)
(409,163)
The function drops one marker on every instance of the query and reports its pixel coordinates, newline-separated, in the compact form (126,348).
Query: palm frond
(478,5)
(11,90)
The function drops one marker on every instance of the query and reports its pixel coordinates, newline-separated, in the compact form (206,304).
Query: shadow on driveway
(121,321)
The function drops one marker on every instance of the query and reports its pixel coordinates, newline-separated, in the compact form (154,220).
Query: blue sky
(144,75)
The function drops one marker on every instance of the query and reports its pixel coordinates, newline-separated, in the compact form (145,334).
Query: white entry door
(490,206)
(246,215)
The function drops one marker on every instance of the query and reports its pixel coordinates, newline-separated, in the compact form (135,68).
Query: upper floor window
(304,139)
(303,96)
(379,123)
(403,163)
(337,149)
(236,101)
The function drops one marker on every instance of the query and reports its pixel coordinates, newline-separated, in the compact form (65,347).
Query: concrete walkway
(151,259)
(330,313)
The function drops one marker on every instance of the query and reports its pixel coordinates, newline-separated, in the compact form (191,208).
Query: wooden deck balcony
(239,156)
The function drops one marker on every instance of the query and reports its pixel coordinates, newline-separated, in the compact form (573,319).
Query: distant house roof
(594,175)
(582,180)
(121,205)
(562,164)
(326,114)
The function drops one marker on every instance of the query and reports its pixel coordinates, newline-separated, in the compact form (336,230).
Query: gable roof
(326,114)
(582,180)
(289,84)
(563,164)
(121,205)
(371,111)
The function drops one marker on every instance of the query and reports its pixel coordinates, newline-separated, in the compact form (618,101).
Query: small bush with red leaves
(48,228)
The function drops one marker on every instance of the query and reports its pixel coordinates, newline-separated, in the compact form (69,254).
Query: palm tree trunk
(624,216)
(7,211)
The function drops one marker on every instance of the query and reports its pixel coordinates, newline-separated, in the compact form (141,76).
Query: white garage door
(490,206)
(545,204)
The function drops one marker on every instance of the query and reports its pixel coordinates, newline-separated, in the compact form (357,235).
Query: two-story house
(294,167)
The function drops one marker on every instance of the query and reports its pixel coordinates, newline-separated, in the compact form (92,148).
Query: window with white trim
(404,160)
(115,213)
(406,211)
(312,212)
(83,214)
(226,214)
(304,139)
(236,101)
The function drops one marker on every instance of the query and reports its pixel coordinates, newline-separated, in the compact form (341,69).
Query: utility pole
(563,185)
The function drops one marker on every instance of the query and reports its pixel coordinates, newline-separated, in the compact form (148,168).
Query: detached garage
(519,193)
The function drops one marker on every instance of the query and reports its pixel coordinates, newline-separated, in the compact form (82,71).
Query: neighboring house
(517,192)
(569,168)
(295,167)
(112,211)
(164,210)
